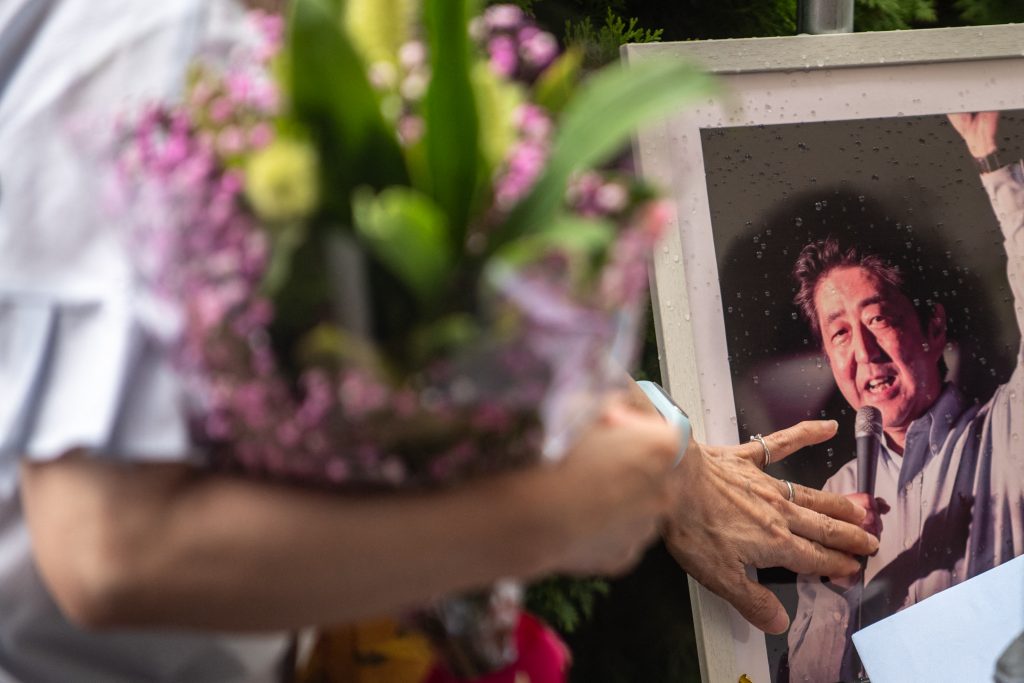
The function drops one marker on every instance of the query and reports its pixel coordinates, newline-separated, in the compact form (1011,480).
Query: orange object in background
(371,652)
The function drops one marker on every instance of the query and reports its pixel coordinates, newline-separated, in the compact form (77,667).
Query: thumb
(758,605)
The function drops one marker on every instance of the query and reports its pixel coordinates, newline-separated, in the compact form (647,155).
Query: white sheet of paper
(954,636)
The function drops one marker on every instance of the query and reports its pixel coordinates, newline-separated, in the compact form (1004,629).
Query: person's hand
(729,514)
(978,130)
(612,491)
(874,508)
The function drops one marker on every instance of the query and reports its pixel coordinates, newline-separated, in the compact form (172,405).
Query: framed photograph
(849,232)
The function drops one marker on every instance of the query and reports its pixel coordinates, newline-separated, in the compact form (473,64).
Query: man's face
(879,354)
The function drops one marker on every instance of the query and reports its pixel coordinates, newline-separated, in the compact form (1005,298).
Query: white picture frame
(768,82)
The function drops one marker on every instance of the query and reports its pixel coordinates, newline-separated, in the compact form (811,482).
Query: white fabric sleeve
(85,375)
(84,350)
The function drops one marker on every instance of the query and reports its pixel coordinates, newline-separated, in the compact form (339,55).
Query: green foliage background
(639,628)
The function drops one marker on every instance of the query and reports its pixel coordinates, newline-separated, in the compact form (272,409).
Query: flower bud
(281,181)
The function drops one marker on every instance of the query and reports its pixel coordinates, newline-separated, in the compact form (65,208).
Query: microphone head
(868,422)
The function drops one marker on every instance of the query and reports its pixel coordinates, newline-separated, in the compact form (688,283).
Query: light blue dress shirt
(957,495)
(82,344)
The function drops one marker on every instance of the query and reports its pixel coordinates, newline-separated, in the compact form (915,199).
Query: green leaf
(333,347)
(332,97)
(453,331)
(569,234)
(565,602)
(596,125)
(407,233)
(556,85)
(452,127)
(497,101)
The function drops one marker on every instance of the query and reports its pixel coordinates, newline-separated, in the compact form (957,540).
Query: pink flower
(504,55)
(412,55)
(503,17)
(537,47)
(524,165)
(491,416)
(221,110)
(231,141)
(611,198)
(410,129)
(260,136)
(337,470)
(534,122)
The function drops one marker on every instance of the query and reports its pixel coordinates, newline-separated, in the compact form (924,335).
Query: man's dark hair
(819,258)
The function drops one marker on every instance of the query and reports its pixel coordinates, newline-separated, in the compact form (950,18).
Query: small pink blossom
(221,110)
(504,55)
(503,17)
(410,129)
(231,141)
(260,136)
(611,198)
(534,122)
(538,48)
(412,54)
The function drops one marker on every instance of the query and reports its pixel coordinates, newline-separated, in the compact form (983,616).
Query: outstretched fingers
(829,532)
(784,443)
(804,556)
(830,504)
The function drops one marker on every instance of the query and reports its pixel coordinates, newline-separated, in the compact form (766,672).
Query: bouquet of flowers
(400,253)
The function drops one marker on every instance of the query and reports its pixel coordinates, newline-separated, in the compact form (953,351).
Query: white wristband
(671,412)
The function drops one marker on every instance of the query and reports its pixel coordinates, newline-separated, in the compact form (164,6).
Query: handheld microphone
(868,431)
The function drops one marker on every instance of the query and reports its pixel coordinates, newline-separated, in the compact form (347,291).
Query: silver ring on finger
(767,453)
(791,496)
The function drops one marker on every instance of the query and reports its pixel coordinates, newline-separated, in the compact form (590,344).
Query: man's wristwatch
(988,163)
(671,412)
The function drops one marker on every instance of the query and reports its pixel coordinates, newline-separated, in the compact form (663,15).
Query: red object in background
(543,658)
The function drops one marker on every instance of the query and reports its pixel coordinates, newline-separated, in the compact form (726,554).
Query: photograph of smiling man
(880,262)
(949,490)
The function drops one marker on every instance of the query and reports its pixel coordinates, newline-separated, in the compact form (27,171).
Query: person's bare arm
(168,546)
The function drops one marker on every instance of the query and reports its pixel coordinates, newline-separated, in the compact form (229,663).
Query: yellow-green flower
(378,28)
(281,181)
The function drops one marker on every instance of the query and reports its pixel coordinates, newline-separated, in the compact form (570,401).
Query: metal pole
(825,16)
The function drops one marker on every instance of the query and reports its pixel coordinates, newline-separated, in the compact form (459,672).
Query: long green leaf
(332,96)
(406,231)
(596,125)
(452,127)
(572,235)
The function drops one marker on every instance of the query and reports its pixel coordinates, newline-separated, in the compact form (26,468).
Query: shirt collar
(928,433)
